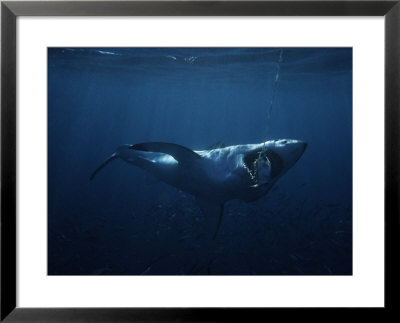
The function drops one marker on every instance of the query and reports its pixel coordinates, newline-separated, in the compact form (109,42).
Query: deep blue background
(120,224)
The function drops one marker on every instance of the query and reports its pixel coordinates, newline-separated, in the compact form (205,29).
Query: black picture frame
(10,10)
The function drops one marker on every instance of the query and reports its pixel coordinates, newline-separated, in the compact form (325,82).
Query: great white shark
(217,175)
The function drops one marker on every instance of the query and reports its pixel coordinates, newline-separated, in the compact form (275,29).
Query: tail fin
(102,165)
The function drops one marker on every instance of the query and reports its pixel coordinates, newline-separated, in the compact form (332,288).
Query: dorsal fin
(180,153)
(218,144)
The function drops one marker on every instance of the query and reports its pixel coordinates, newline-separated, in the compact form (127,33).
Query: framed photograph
(191,160)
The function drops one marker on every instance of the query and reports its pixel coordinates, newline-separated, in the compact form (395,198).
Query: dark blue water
(123,224)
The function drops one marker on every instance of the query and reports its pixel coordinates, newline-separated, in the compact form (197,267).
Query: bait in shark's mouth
(262,166)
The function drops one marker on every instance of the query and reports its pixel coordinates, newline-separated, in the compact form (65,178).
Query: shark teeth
(252,175)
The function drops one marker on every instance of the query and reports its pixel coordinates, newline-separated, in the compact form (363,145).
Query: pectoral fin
(182,154)
(213,213)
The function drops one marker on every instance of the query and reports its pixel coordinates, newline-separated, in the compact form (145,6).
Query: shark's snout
(284,153)
(290,150)
(296,148)
(299,148)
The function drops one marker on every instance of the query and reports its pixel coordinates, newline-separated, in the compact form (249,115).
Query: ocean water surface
(124,223)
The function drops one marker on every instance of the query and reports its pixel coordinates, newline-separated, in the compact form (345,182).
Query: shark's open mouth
(270,159)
